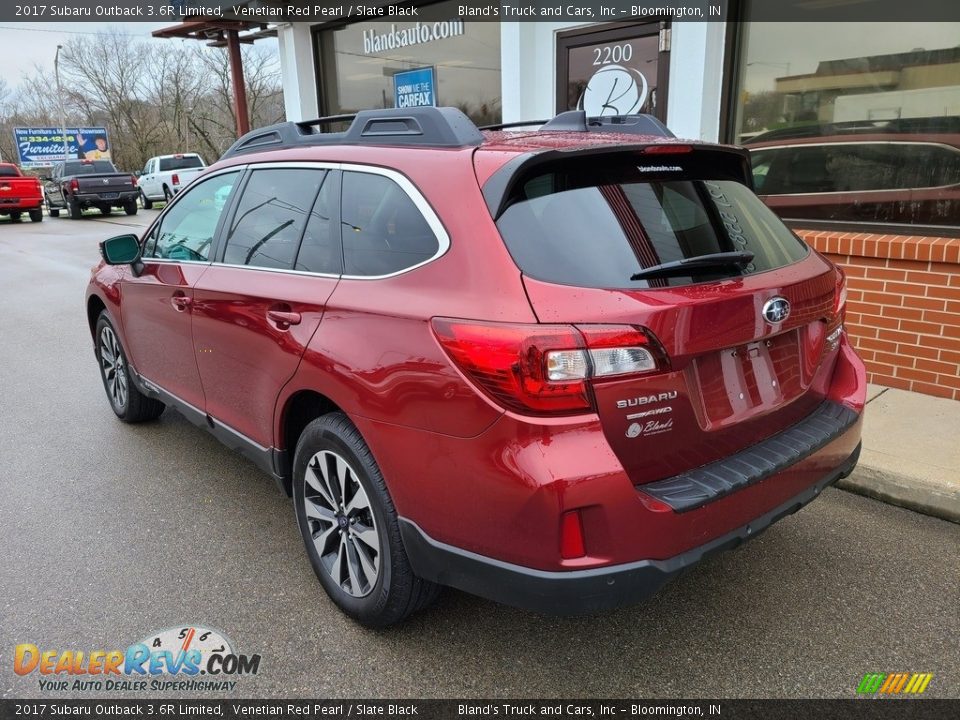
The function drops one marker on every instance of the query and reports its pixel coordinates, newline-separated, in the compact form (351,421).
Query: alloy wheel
(112,367)
(342,523)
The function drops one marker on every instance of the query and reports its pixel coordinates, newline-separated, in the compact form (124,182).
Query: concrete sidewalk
(911,452)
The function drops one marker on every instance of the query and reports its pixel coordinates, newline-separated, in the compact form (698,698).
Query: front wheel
(36,215)
(129,404)
(349,526)
(15,216)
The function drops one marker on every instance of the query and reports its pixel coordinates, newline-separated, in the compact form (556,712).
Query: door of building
(614,69)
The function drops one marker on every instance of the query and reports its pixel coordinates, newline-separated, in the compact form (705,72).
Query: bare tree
(154,97)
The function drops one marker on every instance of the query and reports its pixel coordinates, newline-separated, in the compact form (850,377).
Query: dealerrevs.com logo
(182,659)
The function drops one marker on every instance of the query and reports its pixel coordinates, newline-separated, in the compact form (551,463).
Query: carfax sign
(414,88)
(43,146)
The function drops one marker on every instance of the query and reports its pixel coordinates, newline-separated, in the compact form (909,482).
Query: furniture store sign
(415,88)
(43,146)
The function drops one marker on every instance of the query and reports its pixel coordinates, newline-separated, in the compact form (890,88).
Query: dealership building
(854,125)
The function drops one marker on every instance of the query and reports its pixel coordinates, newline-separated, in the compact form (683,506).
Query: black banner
(867,709)
(320,11)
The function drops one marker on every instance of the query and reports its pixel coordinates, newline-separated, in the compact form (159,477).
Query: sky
(26,45)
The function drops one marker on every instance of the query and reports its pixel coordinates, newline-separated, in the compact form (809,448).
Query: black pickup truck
(77,185)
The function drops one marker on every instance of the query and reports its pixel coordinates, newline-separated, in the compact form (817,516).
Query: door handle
(180,302)
(283,319)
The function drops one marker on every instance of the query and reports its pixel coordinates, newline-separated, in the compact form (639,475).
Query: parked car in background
(553,368)
(882,172)
(19,194)
(165,175)
(77,185)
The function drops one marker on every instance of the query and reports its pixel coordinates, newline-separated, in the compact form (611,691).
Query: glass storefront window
(358,63)
(853,121)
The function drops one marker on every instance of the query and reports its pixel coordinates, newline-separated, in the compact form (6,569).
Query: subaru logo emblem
(776,310)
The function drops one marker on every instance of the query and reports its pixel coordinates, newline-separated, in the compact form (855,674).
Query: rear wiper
(713,261)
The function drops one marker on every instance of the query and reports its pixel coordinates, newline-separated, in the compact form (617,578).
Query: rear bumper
(10,205)
(95,199)
(583,591)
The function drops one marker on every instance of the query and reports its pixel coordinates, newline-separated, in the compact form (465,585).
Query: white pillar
(297,70)
(696,79)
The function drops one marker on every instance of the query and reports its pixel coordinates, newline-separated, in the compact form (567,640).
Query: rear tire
(145,201)
(130,207)
(167,195)
(36,215)
(127,402)
(349,526)
(76,212)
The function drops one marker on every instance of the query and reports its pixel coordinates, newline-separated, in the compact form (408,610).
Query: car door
(52,188)
(156,304)
(256,308)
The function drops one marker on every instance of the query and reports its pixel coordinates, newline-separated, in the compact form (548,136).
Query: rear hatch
(105,186)
(670,244)
(15,189)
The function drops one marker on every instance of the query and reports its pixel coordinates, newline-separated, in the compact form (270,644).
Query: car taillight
(175,179)
(133,180)
(74,185)
(544,369)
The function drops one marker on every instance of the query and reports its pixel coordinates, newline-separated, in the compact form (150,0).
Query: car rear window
(598,228)
(9,172)
(92,167)
(180,163)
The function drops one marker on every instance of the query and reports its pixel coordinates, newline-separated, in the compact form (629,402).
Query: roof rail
(444,127)
(577,121)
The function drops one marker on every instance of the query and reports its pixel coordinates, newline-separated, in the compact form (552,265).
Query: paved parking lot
(110,533)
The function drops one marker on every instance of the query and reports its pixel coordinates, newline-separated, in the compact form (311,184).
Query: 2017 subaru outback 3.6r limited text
(552,367)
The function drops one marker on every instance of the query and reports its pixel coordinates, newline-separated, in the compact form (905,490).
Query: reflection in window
(186,231)
(270,218)
(383,231)
(854,121)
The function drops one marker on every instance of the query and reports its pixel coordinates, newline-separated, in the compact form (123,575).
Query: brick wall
(903,306)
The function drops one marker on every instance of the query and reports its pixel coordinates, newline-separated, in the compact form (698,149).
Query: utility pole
(63,121)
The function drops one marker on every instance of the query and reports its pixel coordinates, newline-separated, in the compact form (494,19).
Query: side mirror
(121,250)
(45,178)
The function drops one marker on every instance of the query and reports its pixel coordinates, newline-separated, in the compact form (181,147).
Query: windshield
(180,163)
(573,229)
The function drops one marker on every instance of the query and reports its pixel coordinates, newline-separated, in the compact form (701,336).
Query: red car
(20,194)
(553,368)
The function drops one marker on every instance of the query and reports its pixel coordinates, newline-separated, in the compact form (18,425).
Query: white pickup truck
(165,175)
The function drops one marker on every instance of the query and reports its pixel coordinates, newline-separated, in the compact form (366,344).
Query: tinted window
(93,167)
(180,163)
(320,247)
(383,230)
(187,229)
(270,217)
(8,172)
(565,230)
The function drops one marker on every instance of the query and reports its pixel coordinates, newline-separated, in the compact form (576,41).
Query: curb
(902,491)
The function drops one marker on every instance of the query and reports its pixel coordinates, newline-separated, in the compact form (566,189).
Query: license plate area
(740,382)
(110,196)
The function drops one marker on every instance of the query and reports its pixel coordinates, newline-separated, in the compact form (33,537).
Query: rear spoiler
(726,161)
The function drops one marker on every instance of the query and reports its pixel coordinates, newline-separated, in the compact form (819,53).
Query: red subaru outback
(550,367)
